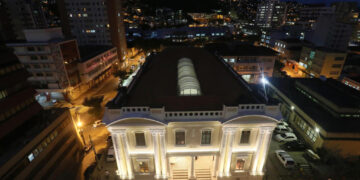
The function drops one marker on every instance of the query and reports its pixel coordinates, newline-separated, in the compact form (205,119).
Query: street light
(292,107)
(317,130)
(264,80)
(79,124)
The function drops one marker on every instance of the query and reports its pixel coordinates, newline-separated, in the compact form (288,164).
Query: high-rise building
(311,12)
(51,61)
(97,22)
(34,144)
(177,112)
(32,14)
(6,29)
(271,14)
(331,33)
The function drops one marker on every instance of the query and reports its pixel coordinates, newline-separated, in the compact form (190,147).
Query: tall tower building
(32,14)
(97,22)
(270,14)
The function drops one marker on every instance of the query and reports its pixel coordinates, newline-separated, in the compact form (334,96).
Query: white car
(283,123)
(110,156)
(283,129)
(286,160)
(286,137)
(97,123)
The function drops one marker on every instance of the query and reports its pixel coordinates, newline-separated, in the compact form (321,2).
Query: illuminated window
(180,137)
(206,137)
(140,139)
(240,164)
(245,137)
(144,166)
(31,157)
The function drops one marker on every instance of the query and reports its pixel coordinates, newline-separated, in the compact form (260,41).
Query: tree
(95,105)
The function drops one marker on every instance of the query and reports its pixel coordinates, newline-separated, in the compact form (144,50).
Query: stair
(203,174)
(180,174)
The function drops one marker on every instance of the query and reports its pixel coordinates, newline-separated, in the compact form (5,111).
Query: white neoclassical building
(188,115)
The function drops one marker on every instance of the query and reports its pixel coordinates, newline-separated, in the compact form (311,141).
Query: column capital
(117,131)
(266,130)
(161,132)
(230,130)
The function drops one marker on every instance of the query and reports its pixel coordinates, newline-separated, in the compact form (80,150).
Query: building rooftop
(88,52)
(329,103)
(240,50)
(156,84)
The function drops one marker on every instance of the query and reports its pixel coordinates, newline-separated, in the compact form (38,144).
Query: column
(125,143)
(264,150)
(192,172)
(118,155)
(222,154)
(163,154)
(257,152)
(230,135)
(156,154)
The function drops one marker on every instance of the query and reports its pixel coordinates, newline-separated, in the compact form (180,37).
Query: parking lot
(304,169)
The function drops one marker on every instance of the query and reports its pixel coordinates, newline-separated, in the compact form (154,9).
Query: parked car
(286,160)
(97,123)
(283,129)
(110,157)
(286,137)
(295,146)
(312,155)
(283,123)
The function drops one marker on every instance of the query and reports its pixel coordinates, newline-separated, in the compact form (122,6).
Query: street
(108,89)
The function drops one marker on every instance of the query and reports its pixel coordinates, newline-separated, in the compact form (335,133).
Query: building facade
(96,64)
(316,112)
(271,14)
(172,122)
(51,60)
(34,144)
(97,22)
(322,62)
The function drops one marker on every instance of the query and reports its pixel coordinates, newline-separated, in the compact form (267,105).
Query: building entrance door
(204,166)
(179,167)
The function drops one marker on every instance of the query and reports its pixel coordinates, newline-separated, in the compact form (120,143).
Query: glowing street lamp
(79,124)
(292,107)
(264,80)
(317,130)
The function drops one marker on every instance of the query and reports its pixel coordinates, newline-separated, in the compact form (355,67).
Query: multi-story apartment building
(311,12)
(32,14)
(181,119)
(51,60)
(324,112)
(97,22)
(322,61)
(34,144)
(271,14)
(331,33)
(96,63)
(251,62)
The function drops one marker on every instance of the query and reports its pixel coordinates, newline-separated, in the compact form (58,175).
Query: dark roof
(320,112)
(156,83)
(240,50)
(88,52)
